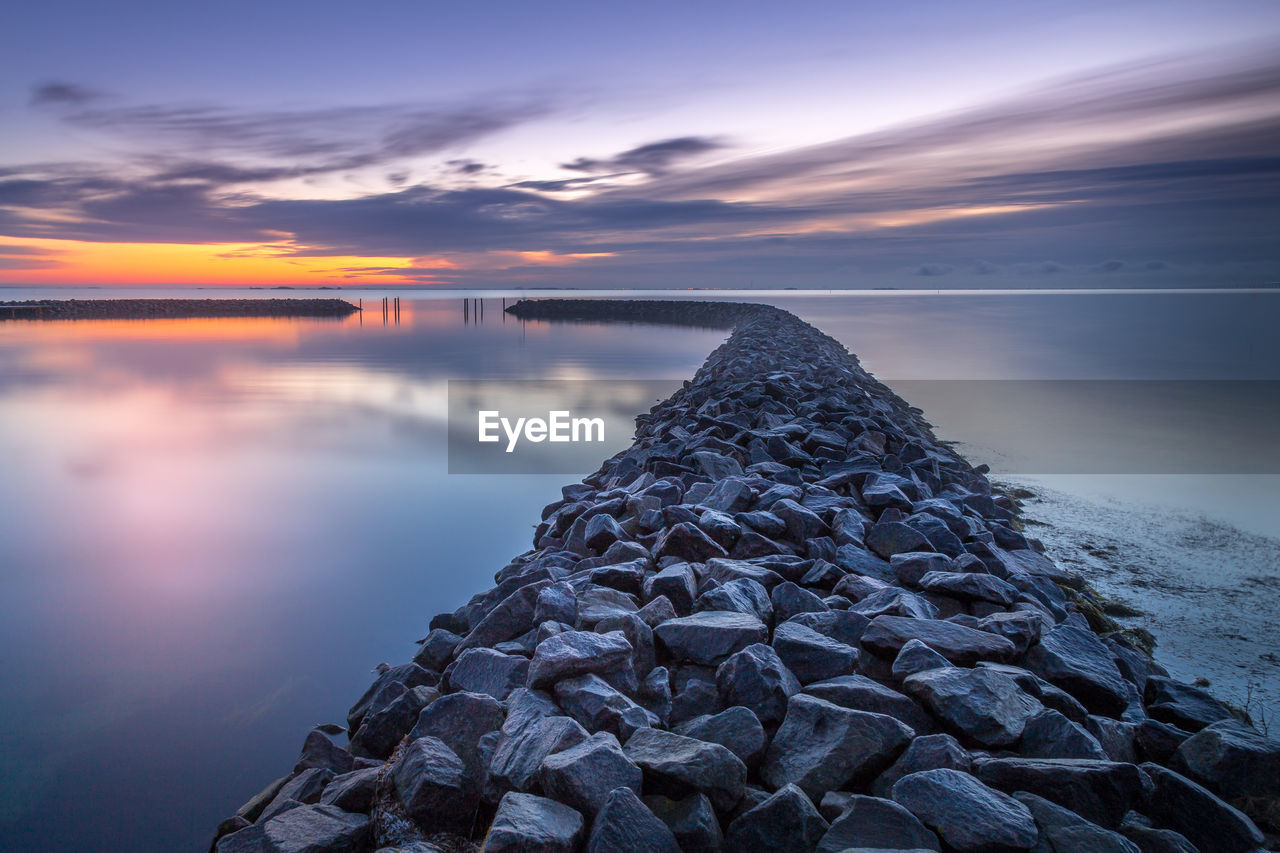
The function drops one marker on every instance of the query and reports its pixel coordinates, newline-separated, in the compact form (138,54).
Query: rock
(1020,628)
(864,694)
(382,729)
(1061,829)
(737,729)
(692,821)
(1151,840)
(893,537)
(966,814)
(790,599)
(892,601)
(915,656)
(677,583)
(305,829)
(812,656)
(626,577)
(676,766)
(657,611)
(738,596)
(600,707)
(686,542)
(710,637)
(625,825)
(460,720)
(574,653)
(431,783)
(583,775)
(874,823)
(408,676)
(319,750)
(970,587)
(843,626)
(519,754)
(556,603)
(1049,734)
(488,671)
(1190,809)
(786,822)
(886,635)
(1072,657)
(352,792)
(982,705)
(911,567)
(757,679)
(823,575)
(525,823)
(927,752)
(306,787)
(822,746)
(1098,791)
(801,522)
(600,602)
(1182,705)
(1157,741)
(720,527)
(1232,759)
(511,617)
(1115,737)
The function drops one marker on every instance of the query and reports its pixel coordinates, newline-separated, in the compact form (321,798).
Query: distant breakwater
(151,309)
(786,618)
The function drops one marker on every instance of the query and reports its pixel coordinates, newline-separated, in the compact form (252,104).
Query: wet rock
(600,602)
(1099,791)
(915,656)
(556,603)
(431,784)
(1157,741)
(789,599)
(801,523)
(519,754)
(383,728)
(874,823)
(822,746)
(677,583)
(910,568)
(1182,705)
(1049,734)
(710,637)
(966,814)
(786,822)
(511,617)
(676,766)
(812,656)
(626,577)
(727,571)
(843,626)
(691,820)
(1072,657)
(352,792)
(625,825)
(970,587)
(1190,809)
(319,750)
(738,596)
(436,649)
(927,752)
(720,527)
(305,788)
(305,829)
(686,542)
(893,537)
(657,611)
(737,729)
(1061,829)
(525,822)
(864,694)
(1021,629)
(460,720)
(886,635)
(574,653)
(893,601)
(600,707)
(1151,840)
(407,676)
(823,575)
(1232,759)
(583,775)
(982,705)
(757,679)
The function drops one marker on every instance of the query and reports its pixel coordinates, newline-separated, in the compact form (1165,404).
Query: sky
(510,144)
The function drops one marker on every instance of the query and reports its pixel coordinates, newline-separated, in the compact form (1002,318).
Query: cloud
(63,94)
(933,269)
(654,158)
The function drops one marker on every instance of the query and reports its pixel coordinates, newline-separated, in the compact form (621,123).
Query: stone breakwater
(786,619)
(153,309)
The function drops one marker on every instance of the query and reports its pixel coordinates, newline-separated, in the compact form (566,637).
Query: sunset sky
(924,144)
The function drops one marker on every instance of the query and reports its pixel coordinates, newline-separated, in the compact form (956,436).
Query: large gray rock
(710,637)
(526,823)
(1061,829)
(738,596)
(915,657)
(352,792)
(1183,705)
(966,814)
(691,820)
(407,676)
(1190,809)
(382,729)
(757,679)
(574,653)
(1051,735)
(556,603)
(520,753)
(677,583)
(1152,840)
(460,720)
(319,750)
(790,599)
(843,626)
(304,829)
(1099,791)
(967,586)
(687,542)
(822,746)
(510,618)
(812,656)
(874,823)
(600,707)
(676,766)
(786,822)
(1232,759)
(584,774)
(737,729)
(431,784)
(886,635)
(625,825)
(982,705)
(864,694)
(488,671)
(928,752)
(1072,657)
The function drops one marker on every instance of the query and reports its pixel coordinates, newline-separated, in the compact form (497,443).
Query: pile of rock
(787,618)
(169,309)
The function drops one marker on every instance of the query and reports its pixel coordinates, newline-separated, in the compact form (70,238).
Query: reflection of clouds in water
(251,712)
(1205,587)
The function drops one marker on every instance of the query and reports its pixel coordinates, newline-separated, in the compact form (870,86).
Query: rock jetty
(153,309)
(787,618)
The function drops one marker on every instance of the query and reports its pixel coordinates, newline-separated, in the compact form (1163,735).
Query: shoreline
(170,309)
(788,613)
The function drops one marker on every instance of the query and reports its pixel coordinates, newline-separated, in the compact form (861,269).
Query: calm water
(212,530)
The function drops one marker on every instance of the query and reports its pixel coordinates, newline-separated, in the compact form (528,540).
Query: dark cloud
(63,94)
(466,167)
(653,158)
(934,269)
